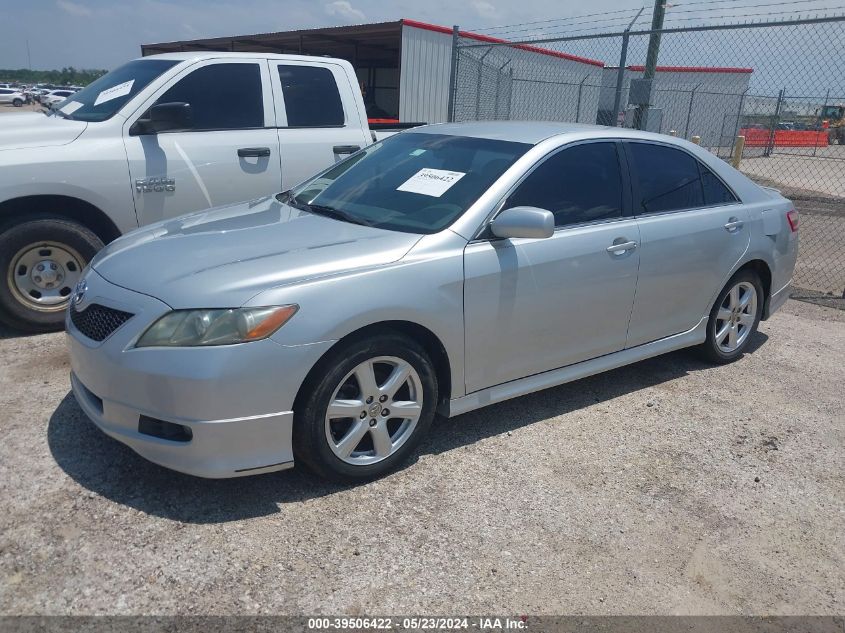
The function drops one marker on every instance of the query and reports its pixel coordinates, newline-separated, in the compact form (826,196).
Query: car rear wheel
(365,409)
(41,261)
(734,318)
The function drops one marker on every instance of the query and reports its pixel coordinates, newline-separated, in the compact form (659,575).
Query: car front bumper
(236,400)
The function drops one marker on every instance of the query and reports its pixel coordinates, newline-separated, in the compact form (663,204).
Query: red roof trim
(695,69)
(496,40)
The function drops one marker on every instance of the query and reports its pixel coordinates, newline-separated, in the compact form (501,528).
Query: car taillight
(792,218)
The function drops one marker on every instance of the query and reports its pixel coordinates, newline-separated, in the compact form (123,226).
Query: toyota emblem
(79,292)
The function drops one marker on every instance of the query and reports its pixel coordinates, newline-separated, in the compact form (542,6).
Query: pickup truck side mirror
(524,222)
(164,117)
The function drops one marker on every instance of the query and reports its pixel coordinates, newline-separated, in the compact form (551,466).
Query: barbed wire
(796,12)
(625,14)
(670,9)
(574,17)
(541,29)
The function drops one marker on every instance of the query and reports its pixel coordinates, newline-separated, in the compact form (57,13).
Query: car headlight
(189,328)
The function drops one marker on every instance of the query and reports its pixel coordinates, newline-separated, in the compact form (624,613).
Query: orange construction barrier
(785,138)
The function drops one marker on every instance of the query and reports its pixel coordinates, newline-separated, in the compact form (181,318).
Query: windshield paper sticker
(71,107)
(431,182)
(114,92)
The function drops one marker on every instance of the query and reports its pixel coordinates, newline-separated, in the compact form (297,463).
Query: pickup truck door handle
(346,149)
(619,249)
(253,152)
(733,225)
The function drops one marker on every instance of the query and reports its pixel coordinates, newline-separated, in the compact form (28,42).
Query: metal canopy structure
(375,45)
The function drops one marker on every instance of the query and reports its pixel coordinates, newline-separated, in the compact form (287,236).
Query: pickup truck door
(319,120)
(229,154)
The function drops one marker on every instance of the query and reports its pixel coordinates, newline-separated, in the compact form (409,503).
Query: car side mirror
(164,117)
(524,222)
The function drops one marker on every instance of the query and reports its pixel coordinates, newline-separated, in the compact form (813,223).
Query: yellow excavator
(835,117)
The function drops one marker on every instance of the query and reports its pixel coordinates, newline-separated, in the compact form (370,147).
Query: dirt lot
(666,487)
(10,109)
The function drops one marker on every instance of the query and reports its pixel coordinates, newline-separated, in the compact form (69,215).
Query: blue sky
(104,34)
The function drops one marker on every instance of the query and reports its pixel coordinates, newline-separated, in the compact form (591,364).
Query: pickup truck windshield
(410,182)
(102,98)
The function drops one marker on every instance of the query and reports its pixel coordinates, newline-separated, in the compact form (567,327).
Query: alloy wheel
(374,410)
(735,317)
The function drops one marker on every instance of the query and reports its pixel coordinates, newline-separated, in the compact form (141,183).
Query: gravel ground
(667,487)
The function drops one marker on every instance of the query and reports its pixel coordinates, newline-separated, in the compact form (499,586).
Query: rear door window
(715,191)
(668,179)
(311,96)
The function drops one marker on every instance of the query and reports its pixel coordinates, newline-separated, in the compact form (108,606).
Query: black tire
(710,350)
(16,237)
(310,443)
(17,103)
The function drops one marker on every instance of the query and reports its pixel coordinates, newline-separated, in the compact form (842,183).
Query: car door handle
(346,149)
(733,225)
(245,152)
(618,249)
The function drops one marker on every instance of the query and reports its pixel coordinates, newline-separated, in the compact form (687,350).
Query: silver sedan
(441,270)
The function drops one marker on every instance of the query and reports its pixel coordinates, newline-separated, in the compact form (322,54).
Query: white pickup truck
(159,137)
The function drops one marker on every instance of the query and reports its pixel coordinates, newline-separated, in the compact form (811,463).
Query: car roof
(534,132)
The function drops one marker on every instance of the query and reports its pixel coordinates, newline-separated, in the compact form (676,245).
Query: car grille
(98,322)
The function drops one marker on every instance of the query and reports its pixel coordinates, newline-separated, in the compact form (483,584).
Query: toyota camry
(441,270)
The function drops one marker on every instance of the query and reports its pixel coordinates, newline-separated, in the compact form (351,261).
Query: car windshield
(105,96)
(411,182)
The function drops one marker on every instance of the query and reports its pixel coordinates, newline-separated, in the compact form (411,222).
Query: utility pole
(651,59)
(28,56)
(620,72)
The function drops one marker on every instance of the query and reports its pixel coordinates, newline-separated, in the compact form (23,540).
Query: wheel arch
(764,272)
(419,333)
(65,207)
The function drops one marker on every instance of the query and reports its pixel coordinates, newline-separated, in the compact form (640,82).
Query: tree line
(69,76)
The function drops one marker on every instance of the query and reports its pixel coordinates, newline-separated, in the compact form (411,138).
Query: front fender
(96,173)
(424,288)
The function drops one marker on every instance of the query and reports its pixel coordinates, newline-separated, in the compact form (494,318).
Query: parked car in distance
(443,269)
(13,96)
(156,138)
(55,97)
(39,91)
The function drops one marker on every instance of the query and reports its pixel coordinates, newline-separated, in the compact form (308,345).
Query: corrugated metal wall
(702,103)
(424,77)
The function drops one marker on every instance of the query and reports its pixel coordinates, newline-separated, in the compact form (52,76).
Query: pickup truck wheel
(41,261)
(365,408)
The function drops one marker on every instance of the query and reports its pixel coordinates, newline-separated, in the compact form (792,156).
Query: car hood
(222,257)
(34,129)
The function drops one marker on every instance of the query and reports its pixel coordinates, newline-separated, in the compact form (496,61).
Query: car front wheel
(17,103)
(365,408)
(734,318)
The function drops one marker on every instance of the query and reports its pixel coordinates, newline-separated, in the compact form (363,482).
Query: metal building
(700,101)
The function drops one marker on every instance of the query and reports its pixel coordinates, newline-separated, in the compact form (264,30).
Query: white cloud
(73,8)
(344,9)
(485,9)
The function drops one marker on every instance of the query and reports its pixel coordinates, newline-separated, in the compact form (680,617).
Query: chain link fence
(780,85)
